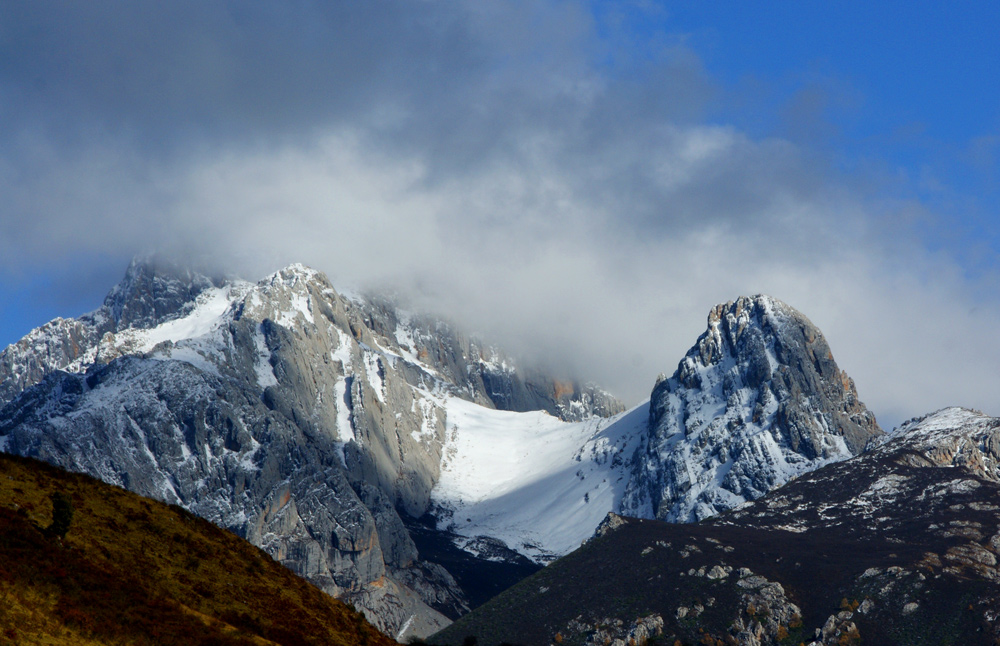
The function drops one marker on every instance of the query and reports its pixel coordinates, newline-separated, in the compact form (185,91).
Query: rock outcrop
(954,437)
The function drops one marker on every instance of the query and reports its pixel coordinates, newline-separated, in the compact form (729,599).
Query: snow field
(537,483)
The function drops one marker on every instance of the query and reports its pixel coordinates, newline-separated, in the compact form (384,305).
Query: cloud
(489,160)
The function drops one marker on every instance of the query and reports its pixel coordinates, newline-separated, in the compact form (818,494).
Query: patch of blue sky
(902,97)
(65,289)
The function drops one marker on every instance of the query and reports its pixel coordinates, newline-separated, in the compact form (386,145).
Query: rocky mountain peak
(757,400)
(751,332)
(728,321)
(154,290)
(297,274)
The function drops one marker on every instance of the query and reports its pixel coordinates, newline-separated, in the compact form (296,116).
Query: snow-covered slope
(756,402)
(537,483)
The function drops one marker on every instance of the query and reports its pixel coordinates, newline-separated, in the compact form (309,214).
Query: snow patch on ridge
(345,432)
(942,422)
(209,308)
(373,371)
(191,338)
(428,416)
(262,365)
(301,306)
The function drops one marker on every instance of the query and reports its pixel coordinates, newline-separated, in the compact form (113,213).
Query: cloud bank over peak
(500,162)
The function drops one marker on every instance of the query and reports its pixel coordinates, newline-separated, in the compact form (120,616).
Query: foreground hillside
(130,570)
(896,546)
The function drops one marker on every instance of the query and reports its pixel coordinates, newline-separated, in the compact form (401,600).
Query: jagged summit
(153,290)
(773,344)
(757,400)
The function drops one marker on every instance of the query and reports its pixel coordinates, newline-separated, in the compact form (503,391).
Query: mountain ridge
(303,420)
(322,426)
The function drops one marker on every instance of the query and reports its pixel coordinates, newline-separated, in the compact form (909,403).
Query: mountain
(898,545)
(309,422)
(757,401)
(392,460)
(127,569)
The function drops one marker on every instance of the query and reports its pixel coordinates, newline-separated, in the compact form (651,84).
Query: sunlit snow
(537,483)
(209,308)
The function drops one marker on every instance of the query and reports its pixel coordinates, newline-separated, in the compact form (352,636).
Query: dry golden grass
(135,571)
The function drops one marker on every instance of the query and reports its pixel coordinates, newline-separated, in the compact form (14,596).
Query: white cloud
(586,219)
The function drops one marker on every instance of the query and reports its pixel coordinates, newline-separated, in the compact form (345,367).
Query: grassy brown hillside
(130,570)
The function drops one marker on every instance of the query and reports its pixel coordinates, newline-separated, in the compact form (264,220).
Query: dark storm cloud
(106,102)
(183,69)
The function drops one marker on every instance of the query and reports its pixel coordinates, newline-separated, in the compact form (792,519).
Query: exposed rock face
(297,418)
(757,401)
(487,376)
(615,632)
(764,611)
(610,523)
(152,292)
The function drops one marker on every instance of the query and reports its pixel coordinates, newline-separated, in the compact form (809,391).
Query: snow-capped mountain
(318,424)
(307,421)
(756,401)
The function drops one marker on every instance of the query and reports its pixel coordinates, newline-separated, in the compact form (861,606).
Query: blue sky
(515,163)
(907,92)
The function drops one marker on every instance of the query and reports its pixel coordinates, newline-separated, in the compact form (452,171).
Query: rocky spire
(154,289)
(756,401)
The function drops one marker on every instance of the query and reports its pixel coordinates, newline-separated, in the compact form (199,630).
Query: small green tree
(62,514)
